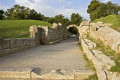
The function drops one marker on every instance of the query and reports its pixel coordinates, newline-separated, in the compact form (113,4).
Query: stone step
(55,42)
(53,75)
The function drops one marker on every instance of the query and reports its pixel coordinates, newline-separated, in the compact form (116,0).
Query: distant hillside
(18,28)
(113,19)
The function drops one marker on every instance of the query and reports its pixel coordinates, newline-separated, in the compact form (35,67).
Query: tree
(112,8)
(93,9)
(1,14)
(20,12)
(98,9)
(59,18)
(17,12)
(76,19)
(51,20)
(66,22)
(32,14)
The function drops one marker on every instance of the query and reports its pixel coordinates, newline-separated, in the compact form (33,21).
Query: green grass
(80,46)
(92,77)
(18,28)
(109,52)
(113,19)
(89,63)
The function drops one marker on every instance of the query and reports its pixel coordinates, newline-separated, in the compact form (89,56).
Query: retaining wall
(9,46)
(56,33)
(38,35)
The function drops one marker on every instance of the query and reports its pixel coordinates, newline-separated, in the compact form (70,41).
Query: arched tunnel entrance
(73,31)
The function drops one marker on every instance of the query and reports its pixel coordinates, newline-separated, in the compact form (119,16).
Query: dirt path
(65,55)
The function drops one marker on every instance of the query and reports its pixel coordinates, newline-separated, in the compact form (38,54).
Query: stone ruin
(109,37)
(38,35)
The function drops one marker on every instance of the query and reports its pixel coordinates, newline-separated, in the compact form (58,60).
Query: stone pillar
(45,35)
(60,24)
(35,33)
(84,28)
(55,25)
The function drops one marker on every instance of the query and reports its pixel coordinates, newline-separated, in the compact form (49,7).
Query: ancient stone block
(2,43)
(33,30)
(85,23)
(82,74)
(90,44)
(107,62)
(106,34)
(101,74)
(55,25)
(60,24)
(97,63)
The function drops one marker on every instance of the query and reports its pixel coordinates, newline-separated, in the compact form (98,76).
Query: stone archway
(73,30)
(73,25)
(82,29)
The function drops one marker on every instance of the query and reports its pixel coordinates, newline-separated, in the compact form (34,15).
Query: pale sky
(54,7)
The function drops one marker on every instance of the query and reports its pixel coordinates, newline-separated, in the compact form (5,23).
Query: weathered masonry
(109,37)
(38,35)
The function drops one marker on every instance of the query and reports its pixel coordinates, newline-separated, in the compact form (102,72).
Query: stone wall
(103,32)
(38,35)
(47,35)
(10,46)
(102,63)
(109,36)
(106,34)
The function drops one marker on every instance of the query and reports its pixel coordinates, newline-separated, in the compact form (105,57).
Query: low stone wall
(38,35)
(46,35)
(10,46)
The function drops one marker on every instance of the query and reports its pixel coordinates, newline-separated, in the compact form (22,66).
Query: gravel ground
(65,55)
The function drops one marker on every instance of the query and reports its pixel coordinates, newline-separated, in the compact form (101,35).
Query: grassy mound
(18,28)
(113,19)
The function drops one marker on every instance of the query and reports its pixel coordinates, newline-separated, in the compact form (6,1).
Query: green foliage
(20,12)
(93,9)
(112,19)
(18,28)
(92,77)
(50,20)
(76,19)
(116,68)
(1,14)
(97,9)
(73,30)
(89,63)
(61,19)
(80,45)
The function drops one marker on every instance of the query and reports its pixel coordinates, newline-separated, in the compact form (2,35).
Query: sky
(51,8)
